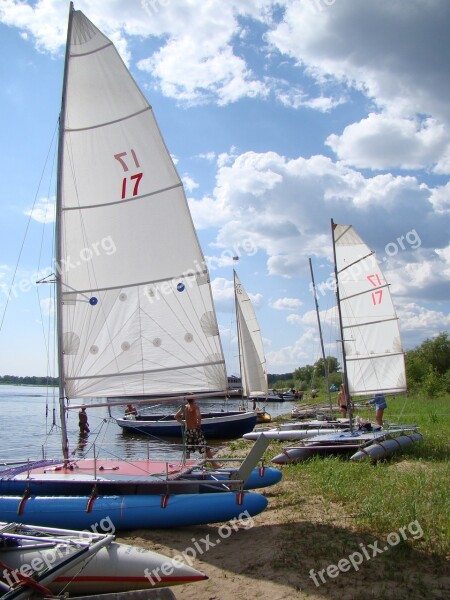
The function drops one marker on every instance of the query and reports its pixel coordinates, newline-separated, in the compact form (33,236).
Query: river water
(31,426)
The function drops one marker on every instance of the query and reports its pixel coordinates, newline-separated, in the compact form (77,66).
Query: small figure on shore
(130,412)
(342,401)
(380,404)
(195,440)
(83,423)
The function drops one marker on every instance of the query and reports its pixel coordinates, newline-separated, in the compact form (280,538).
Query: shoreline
(292,550)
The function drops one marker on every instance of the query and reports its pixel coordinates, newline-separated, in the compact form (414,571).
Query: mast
(338,301)
(58,242)
(325,363)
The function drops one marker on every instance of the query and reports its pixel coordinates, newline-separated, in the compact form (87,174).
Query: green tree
(428,365)
(436,352)
(304,374)
(333,366)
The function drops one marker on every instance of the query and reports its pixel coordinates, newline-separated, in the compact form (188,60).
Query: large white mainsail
(136,314)
(373,354)
(251,351)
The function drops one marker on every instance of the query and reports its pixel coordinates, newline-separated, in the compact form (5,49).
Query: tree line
(28,380)
(427,370)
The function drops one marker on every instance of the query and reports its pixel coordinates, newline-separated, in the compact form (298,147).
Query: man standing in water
(83,421)
(195,440)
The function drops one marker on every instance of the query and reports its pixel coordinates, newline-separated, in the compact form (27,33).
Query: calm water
(31,426)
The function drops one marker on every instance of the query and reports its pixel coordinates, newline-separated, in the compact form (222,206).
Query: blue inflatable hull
(131,512)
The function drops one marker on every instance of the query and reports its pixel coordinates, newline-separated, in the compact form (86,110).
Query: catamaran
(372,352)
(137,319)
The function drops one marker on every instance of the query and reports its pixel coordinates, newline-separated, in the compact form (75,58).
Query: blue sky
(280,116)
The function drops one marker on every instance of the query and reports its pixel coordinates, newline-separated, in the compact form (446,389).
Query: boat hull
(386,448)
(218,425)
(114,568)
(131,512)
(288,434)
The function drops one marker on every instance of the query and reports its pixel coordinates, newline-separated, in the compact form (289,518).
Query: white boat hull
(287,434)
(115,568)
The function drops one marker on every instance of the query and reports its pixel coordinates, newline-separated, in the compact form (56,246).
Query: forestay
(136,312)
(374,356)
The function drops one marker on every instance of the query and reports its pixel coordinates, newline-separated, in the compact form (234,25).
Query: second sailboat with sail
(372,352)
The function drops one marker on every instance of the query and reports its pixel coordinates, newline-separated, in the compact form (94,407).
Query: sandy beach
(278,555)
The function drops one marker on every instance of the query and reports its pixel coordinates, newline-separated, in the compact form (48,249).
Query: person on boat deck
(83,423)
(130,411)
(380,404)
(342,401)
(195,440)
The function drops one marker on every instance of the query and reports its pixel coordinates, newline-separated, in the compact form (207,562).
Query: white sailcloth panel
(373,349)
(254,378)
(137,312)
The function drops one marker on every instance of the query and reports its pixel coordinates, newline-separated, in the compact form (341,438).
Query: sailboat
(252,359)
(372,352)
(134,305)
(47,561)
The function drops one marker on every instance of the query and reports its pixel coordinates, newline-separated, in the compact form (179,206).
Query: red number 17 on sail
(123,158)
(377,295)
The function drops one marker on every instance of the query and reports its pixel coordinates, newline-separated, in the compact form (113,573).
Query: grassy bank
(382,497)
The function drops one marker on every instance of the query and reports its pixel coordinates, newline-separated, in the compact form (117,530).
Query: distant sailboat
(371,346)
(134,304)
(251,350)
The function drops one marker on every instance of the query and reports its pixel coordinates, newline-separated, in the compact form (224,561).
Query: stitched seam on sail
(128,373)
(133,285)
(139,112)
(161,191)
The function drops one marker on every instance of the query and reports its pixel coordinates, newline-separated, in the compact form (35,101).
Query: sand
(272,556)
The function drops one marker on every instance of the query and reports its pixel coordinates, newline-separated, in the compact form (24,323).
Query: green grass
(410,486)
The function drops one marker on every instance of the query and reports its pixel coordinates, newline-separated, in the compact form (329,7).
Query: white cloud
(388,142)
(283,205)
(394,52)
(286,304)
(43,211)
(189,183)
(414,317)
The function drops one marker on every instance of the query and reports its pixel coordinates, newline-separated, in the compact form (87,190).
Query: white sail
(251,351)
(136,314)
(374,357)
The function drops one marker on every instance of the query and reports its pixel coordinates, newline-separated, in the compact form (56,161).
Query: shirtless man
(342,401)
(195,440)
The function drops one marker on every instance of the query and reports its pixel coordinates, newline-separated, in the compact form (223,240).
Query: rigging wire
(27,227)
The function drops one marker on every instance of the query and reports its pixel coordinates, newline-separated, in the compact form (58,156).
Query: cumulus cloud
(43,211)
(283,206)
(387,142)
(393,52)
(286,304)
